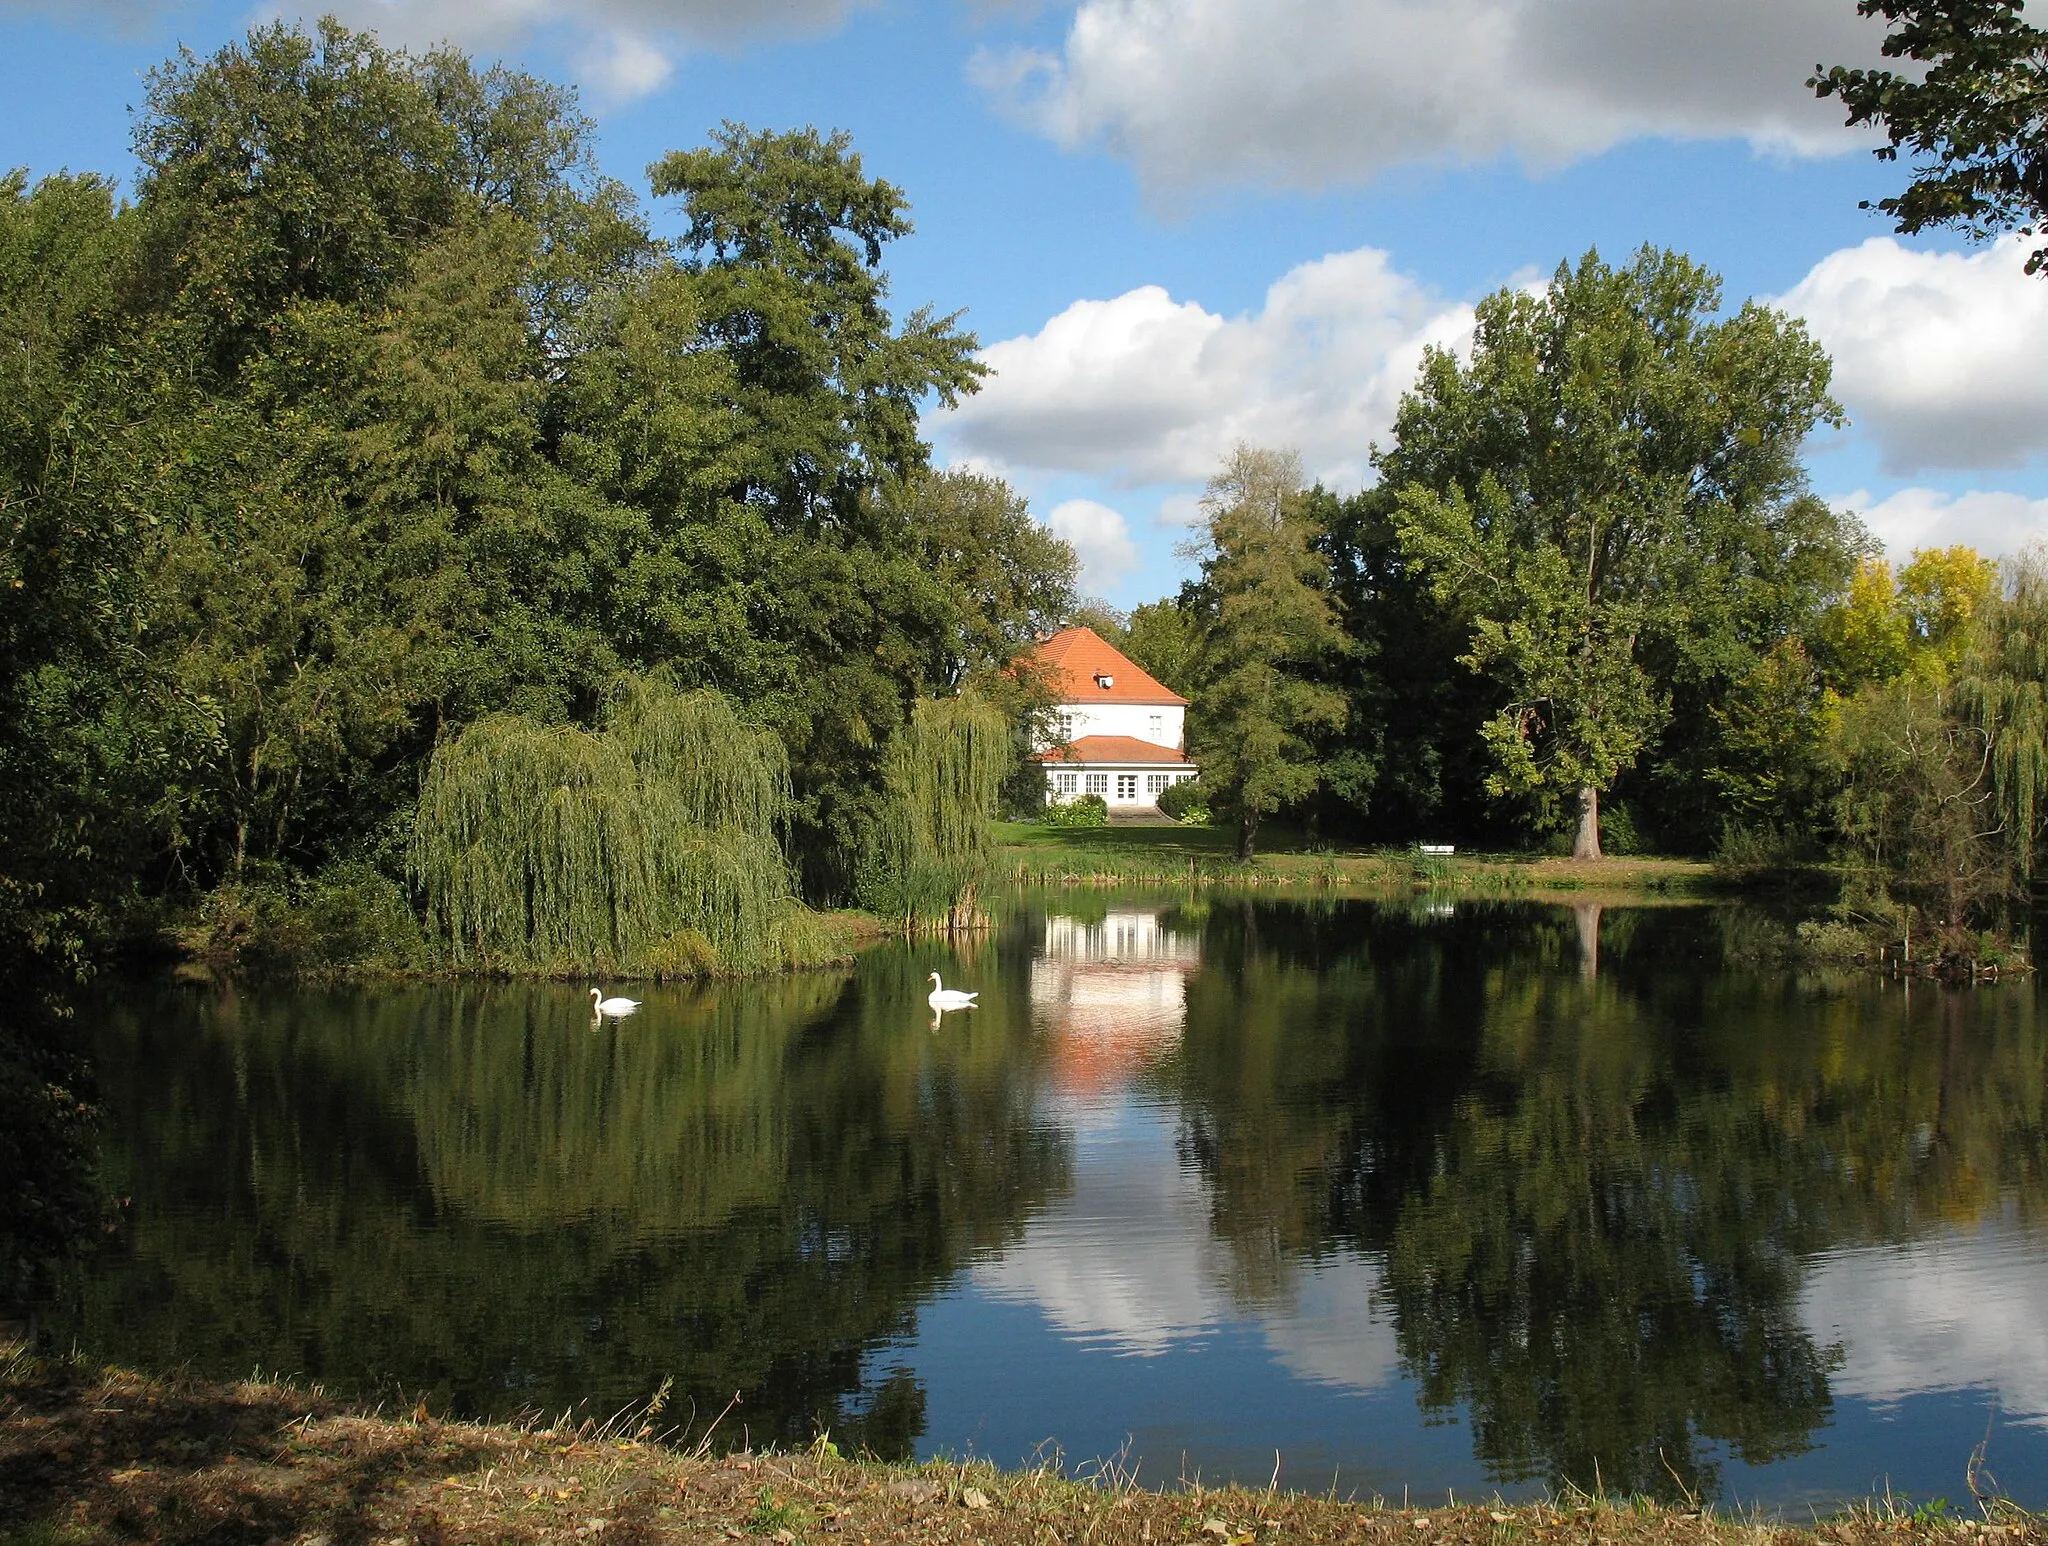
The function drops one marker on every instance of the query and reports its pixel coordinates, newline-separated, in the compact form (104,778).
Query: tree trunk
(1587,844)
(1247,833)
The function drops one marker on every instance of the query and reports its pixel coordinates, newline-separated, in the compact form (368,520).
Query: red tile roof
(1075,659)
(1114,748)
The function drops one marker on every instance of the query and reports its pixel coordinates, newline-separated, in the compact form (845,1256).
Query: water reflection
(1129,1261)
(1563,1177)
(1964,1313)
(468,1194)
(1112,994)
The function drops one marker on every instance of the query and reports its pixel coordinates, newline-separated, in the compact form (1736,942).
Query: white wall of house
(1119,786)
(1162,724)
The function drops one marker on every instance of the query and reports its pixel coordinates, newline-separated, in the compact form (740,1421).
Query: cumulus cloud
(1313,92)
(1993,523)
(1146,389)
(1101,540)
(1938,354)
(620,49)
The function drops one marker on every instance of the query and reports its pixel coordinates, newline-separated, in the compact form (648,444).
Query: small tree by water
(944,769)
(648,846)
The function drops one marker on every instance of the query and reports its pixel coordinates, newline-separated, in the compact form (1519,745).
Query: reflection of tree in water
(1593,1182)
(472,1193)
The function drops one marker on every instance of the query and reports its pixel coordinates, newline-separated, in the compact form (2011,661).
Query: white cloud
(1993,523)
(622,67)
(1146,389)
(1939,354)
(1100,539)
(621,48)
(1313,92)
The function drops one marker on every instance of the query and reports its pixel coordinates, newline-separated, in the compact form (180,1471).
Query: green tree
(1165,637)
(1260,705)
(1973,114)
(1609,487)
(1005,580)
(1412,741)
(929,853)
(2003,689)
(1918,809)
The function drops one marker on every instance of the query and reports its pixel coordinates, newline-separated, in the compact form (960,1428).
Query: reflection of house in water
(1113,993)
(1130,1262)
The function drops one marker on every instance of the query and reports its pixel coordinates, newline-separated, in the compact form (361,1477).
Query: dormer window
(1104,680)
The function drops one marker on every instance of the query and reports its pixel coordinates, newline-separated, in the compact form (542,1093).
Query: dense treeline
(1592,602)
(378,411)
(373,446)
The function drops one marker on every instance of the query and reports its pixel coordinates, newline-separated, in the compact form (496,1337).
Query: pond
(1392,1197)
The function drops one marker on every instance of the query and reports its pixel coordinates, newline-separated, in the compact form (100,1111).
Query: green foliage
(1186,801)
(1970,114)
(943,772)
(2004,691)
(1261,704)
(1774,768)
(1611,491)
(350,916)
(1165,637)
(648,847)
(1083,811)
(380,413)
(1917,807)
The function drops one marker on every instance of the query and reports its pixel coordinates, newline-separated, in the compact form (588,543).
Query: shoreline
(94,1455)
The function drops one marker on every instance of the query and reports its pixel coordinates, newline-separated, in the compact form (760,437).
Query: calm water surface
(1493,1196)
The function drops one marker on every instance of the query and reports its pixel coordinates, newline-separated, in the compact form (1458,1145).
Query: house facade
(1120,733)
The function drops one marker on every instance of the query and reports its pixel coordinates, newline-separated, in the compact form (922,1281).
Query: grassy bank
(1031,855)
(90,1456)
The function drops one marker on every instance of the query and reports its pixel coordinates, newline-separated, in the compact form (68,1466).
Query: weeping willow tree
(647,847)
(2005,687)
(927,855)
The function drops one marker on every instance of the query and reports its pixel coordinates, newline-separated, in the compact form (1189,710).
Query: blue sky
(1177,223)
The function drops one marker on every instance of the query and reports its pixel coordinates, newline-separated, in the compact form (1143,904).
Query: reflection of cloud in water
(1127,1260)
(1128,1263)
(1330,1332)
(1112,993)
(1965,1313)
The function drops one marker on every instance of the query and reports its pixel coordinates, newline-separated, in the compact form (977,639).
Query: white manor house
(1121,733)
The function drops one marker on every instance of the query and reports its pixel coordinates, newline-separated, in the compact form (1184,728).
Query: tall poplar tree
(1261,702)
(1612,490)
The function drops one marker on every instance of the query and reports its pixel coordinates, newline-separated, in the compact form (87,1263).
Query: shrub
(1089,810)
(1186,801)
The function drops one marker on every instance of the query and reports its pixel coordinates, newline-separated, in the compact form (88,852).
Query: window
(1066,726)
(1155,727)
(1157,783)
(1098,783)
(1127,786)
(1065,783)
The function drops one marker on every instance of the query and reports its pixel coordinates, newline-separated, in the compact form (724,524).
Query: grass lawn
(1033,855)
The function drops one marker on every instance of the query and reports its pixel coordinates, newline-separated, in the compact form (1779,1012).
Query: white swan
(942,998)
(615,1007)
